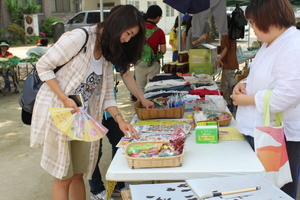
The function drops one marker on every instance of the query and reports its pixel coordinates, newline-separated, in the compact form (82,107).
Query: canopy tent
(179,5)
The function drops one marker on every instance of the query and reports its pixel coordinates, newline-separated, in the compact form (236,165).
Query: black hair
(44,42)
(154,11)
(115,8)
(122,54)
(175,26)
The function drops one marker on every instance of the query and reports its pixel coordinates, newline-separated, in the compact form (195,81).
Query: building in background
(65,9)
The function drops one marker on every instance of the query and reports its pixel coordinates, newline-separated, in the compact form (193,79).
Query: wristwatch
(118,115)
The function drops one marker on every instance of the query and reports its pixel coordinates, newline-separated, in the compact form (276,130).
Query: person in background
(4,53)
(4,46)
(158,44)
(186,35)
(276,67)
(185,18)
(203,38)
(228,61)
(44,42)
(114,135)
(39,50)
(173,41)
(90,74)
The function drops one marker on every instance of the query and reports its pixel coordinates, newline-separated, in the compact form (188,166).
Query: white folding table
(225,158)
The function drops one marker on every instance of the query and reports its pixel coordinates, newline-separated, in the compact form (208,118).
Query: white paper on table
(173,191)
(225,184)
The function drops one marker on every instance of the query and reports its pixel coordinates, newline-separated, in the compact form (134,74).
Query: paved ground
(20,172)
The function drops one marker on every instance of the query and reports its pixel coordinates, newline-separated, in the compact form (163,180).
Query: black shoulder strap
(83,47)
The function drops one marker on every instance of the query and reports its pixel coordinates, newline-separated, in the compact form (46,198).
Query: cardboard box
(207,132)
(203,60)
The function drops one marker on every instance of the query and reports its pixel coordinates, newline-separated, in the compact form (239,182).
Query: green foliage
(47,25)
(33,39)
(14,40)
(14,10)
(17,30)
(17,9)
(30,7)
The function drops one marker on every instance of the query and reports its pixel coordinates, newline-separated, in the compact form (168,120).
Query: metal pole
(179,32)
(101,11)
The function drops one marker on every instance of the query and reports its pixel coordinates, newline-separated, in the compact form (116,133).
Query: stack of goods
(208,110)
(165,86)
(157,154)
(172,107)
(181,66)
(208,117)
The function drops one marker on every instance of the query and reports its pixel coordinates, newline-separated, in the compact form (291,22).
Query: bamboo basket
(168,113)
(126,195)
(225,122)
(136,163)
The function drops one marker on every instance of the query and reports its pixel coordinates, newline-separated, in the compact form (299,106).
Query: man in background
(158,44)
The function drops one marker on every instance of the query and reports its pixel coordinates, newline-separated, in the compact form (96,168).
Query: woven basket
(167,113)
(225,122)
(135,163)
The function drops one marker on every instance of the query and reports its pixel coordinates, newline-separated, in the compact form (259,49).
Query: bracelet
(243,81)
(118,115)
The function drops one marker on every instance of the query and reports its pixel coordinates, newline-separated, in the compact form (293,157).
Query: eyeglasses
(251,22)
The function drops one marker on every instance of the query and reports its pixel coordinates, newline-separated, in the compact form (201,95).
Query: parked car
(84,18)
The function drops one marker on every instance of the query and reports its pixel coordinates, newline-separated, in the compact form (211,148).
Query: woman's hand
(239,88)
(128,130)
(146,103)
(242,99)
(70,103)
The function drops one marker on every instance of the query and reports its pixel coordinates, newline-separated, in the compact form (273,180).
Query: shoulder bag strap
(83,47)
(151,33)
(267,111)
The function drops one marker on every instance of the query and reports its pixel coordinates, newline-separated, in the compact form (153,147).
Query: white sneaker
(100,196)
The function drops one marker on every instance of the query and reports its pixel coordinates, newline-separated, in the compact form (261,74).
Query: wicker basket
(135,163)
(225,122)
(168,113)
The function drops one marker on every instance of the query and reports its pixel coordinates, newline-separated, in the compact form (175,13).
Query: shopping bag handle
(278,116)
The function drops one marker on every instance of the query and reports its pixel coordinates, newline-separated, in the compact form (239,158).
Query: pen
(215,194)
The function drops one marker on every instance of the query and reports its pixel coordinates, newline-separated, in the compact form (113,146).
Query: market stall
(230,155)
(226,158)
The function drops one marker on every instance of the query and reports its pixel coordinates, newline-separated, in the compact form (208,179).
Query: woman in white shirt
(275,67)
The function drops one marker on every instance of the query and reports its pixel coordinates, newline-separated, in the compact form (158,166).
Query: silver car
(84,18)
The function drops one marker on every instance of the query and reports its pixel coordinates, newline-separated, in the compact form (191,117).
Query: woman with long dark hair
(117,40)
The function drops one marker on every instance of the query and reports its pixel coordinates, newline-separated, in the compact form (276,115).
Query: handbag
(31,86)
(270,147)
